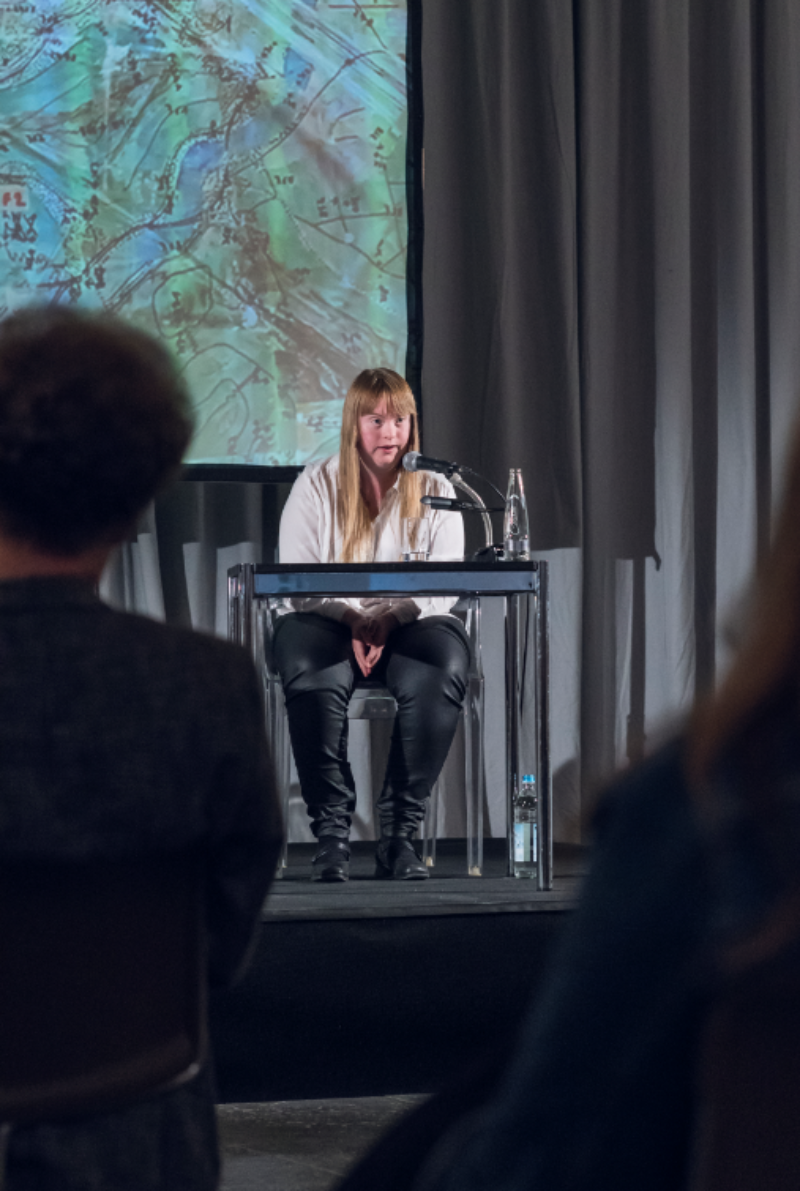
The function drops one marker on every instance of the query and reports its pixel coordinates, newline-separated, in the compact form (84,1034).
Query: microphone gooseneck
(414,461)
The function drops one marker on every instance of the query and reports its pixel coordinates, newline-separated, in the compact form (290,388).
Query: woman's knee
(312,656)
(433,658)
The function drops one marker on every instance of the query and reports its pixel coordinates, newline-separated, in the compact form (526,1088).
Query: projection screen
(229,174)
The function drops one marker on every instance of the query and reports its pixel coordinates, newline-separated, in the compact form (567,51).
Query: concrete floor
(300,1145)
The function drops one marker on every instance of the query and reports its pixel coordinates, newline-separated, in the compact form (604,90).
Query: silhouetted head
(94,420)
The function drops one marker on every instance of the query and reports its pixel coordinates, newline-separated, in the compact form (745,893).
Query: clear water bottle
(515,521)
(526,842)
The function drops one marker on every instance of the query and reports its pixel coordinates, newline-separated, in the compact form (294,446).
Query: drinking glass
(416,539)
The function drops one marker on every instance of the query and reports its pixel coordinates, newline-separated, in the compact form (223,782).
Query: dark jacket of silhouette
(120,736)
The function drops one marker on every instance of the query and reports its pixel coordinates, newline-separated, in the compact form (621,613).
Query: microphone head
(410,460)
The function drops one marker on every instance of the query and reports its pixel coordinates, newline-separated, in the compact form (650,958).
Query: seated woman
(350,508)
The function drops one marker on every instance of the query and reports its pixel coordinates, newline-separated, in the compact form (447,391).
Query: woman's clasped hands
(370,634)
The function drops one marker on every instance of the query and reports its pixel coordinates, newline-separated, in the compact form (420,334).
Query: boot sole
(330,878)
(385,874)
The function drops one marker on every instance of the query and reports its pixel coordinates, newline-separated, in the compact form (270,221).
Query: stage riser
(373,1007)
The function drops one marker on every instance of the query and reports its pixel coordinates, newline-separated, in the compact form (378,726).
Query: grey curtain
(611,293)
(175,567)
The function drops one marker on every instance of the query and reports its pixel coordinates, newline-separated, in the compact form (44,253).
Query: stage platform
(374,987)
(448,891)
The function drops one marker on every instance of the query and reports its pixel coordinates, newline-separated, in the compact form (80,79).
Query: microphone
(461,506)
(444,502)
(413,461)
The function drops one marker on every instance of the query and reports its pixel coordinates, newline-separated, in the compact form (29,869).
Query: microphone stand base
(492,553)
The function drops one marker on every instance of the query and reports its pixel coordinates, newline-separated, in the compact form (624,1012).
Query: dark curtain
(611,292)
(500,280)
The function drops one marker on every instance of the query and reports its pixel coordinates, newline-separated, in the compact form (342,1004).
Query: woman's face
(382,439)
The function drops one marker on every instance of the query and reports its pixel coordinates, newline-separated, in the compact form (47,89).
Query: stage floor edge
(448,890)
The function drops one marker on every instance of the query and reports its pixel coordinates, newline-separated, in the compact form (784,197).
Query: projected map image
(229,174)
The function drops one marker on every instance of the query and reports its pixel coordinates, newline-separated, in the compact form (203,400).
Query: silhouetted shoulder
(183,674)
(655,786)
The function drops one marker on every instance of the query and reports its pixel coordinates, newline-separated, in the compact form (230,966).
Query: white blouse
(310,533)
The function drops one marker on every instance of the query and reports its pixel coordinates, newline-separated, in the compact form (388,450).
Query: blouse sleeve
(302,524)
(301,536)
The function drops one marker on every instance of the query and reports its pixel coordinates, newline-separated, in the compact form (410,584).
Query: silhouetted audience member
(119,736)
(694,891)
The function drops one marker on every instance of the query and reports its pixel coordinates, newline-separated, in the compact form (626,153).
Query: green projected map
(229,174)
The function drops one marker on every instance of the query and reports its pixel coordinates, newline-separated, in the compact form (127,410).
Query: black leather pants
(424,665)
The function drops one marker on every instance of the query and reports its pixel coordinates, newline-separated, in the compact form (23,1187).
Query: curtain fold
(175,567)
(499,281)
(612,188)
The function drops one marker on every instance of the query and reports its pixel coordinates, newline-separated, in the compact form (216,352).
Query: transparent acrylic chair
(376,703)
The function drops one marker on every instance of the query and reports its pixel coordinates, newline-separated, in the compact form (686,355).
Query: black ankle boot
(331,860)
(396,859)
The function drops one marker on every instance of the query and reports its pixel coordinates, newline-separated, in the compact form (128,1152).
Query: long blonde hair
(365,394)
